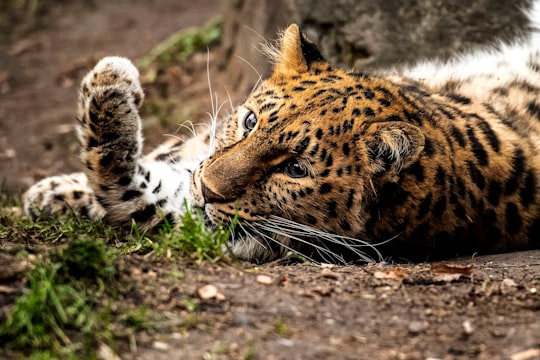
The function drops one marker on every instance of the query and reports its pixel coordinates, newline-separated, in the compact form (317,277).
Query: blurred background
(46,46)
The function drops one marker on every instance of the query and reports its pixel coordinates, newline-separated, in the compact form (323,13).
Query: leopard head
(299,162)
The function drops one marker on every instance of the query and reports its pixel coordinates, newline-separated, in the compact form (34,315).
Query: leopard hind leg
(60,195)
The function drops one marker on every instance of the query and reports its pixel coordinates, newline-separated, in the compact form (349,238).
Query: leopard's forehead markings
(333,110)
(265,97)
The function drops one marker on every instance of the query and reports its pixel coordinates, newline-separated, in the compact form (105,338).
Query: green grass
(192,240)
(178,47)
(10,5)
(56,315)
(14,12)
(281,328)
(65,310)
(189,240)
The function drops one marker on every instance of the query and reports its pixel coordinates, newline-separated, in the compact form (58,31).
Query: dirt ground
(476,308)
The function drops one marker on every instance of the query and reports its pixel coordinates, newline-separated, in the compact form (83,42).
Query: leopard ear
(297,52)
(394,145)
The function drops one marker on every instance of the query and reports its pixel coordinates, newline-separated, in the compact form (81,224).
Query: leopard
(434,160)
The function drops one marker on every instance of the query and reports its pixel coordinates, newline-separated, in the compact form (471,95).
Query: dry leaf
(396,273)
(451,269)
(447,277)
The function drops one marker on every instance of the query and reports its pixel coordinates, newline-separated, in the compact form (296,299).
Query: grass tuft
(87,260)
(181,45)
(281,328)
(189,240)
(195,241)
(41,317)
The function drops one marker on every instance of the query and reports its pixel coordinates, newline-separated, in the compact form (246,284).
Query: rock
(365,35)
(104,352)
(509,282)
(467,327)
(416,327)
(160,345)
(264,279)
(207,292)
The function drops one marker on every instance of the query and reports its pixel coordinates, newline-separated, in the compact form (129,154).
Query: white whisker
(266,247)
(213,104)
(373,187)
(259,76)
(213,128)
(188,125)
(209,82)
(230,100)
(256,33)
(282,232)
(266,236)
(352,244)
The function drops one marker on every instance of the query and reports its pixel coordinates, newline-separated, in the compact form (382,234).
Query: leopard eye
(250,121)
(294,169)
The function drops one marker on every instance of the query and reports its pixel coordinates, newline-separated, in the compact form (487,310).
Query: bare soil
(475,308)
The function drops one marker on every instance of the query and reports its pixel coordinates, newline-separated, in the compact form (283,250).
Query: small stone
(509,283)
(264,279)
(285,342)
(335,341)
(104,352)
(416,327)
(10,153)
(160,345)
(207,292)
(467,327)
(533,290)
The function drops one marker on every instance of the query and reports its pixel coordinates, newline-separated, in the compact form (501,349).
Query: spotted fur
(118,184)
(435,160)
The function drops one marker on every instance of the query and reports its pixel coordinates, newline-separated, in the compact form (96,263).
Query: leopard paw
(60,195)
(116,72)
(109,126)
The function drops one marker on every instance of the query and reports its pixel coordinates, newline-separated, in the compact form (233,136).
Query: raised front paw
(113,72)
(59,195)
(109,125)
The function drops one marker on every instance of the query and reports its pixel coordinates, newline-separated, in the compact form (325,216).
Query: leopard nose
(209,196)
